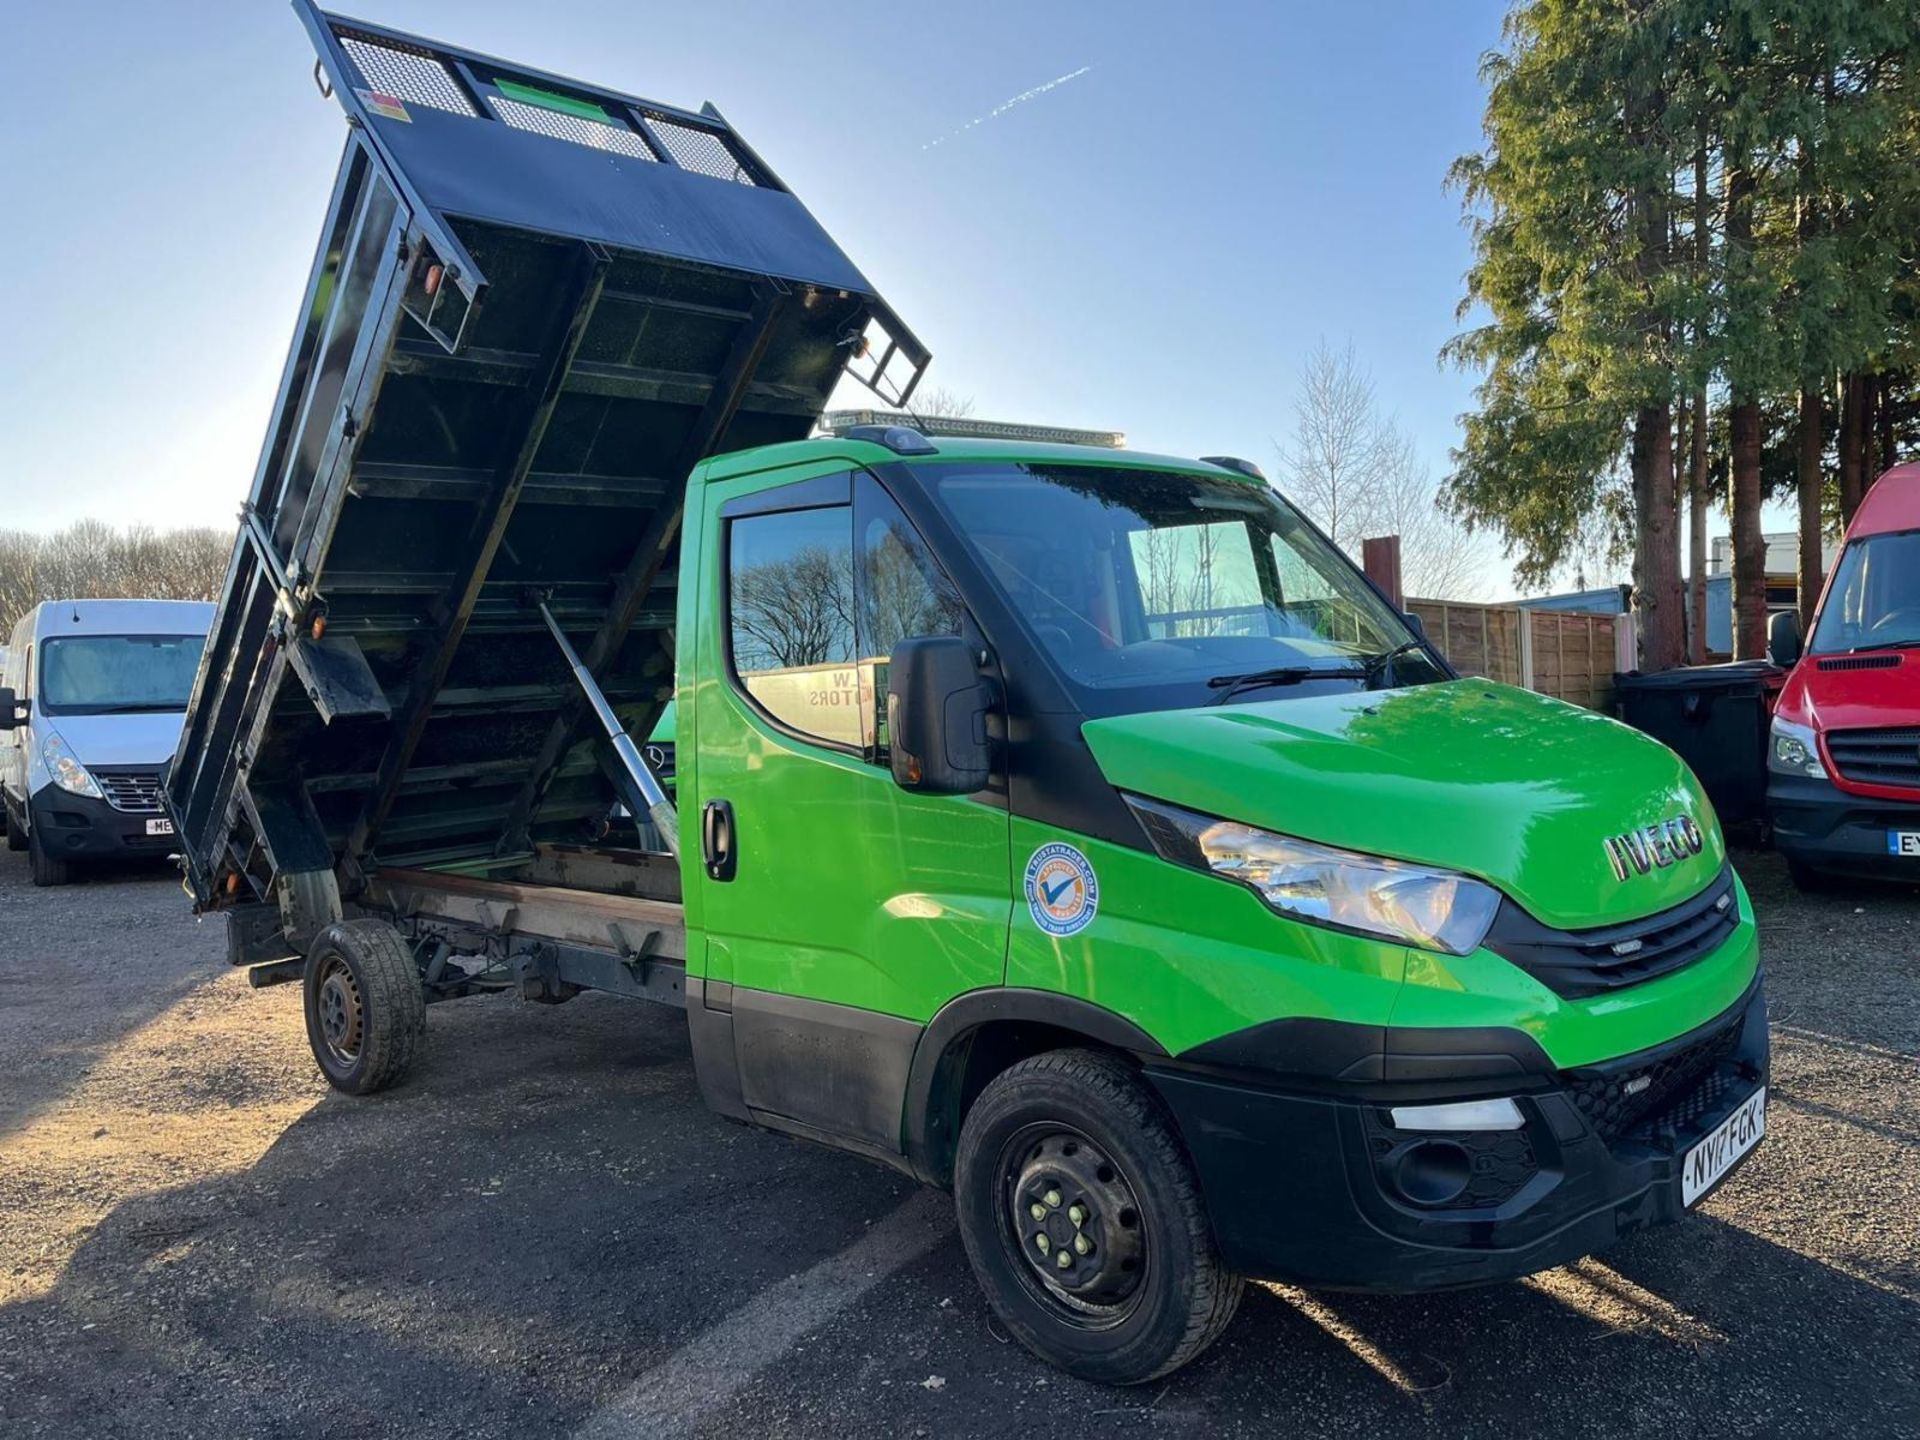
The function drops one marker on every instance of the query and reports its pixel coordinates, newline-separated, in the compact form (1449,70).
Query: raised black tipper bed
(535,305)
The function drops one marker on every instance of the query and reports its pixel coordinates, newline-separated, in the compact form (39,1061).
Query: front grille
(1877,757)
(135,791)
(1576,964)
(1680,1085)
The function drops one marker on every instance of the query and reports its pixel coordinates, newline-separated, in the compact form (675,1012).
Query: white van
(91,701)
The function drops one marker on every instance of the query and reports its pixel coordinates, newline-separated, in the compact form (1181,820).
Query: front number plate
(159,827)
(1731,1138)
(1904,842)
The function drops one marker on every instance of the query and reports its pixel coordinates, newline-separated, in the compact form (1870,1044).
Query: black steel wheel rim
(341,1013)
(1071,1225)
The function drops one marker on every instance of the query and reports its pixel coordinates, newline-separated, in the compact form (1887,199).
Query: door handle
(718,846)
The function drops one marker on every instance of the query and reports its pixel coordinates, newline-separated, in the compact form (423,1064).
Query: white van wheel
(46,869)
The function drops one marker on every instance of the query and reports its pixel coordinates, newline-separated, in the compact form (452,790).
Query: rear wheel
(47,869)
(365,1007)
(16,833)
(1083,1220)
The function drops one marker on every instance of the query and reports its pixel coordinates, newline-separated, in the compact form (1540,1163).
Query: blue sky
(1152,246)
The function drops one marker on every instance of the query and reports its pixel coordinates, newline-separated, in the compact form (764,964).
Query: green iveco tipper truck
(1074,829)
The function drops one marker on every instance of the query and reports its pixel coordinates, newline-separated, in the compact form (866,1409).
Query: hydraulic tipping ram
(644,794)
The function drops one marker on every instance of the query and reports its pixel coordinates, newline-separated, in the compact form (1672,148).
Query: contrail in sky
(1022,98)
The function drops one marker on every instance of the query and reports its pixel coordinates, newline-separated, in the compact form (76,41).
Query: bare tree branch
(1358,476)
(91,560)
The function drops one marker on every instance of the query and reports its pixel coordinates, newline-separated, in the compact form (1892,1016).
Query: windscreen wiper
(1377,663)
(1231,685)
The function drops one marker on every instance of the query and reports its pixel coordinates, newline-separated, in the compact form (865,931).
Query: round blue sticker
(1062,893)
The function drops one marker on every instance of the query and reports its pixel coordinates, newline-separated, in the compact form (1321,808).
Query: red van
(1843,759)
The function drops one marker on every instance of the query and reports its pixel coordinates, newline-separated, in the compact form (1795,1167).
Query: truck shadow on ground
(547,1211)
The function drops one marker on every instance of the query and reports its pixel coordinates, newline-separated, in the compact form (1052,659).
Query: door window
(817,600)
(790,613)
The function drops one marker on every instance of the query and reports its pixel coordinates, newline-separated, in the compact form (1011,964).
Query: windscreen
(1874,602)
(1146,578)
(118,674)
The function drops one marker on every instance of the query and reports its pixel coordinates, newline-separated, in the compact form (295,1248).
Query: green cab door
(839,912)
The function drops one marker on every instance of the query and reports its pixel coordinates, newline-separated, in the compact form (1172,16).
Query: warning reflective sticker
(386,105)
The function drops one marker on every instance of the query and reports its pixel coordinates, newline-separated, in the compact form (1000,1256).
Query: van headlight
(1340,889)
(1793,750)
(68,773)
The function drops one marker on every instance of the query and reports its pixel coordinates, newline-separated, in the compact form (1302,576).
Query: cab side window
(790,616)
(902,592)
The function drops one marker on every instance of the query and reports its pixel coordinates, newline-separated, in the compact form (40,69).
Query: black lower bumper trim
(78,827)
(1821,826)
(1321,1190)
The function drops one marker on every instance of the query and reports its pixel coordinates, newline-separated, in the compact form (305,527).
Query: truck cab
(989,752)
(91,704)
(1843,783)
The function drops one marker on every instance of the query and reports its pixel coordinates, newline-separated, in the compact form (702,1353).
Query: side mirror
(10,717)
(1415,624)
(1783,638)
(937,717)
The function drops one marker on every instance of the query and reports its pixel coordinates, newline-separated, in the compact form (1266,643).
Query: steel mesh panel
(577,128)
(700,151)
(407,75)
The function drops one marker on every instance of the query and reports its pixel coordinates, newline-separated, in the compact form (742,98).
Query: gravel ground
(544,1233)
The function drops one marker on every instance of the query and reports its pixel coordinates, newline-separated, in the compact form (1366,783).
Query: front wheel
(1082,1217)
(47,869)
(365,1005)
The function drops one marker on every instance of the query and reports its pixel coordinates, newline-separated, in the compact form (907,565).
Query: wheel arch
(977,1035)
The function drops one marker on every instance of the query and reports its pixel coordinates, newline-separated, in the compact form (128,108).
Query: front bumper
(1317,1188)
(1823,827)
(77,827)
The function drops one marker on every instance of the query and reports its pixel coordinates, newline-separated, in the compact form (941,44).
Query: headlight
(1793,750)
(68,773)
(1340,889)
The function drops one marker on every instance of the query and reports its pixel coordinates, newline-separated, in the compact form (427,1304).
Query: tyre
(16,833)
(365,1006)
(47,870)
(1082,1217)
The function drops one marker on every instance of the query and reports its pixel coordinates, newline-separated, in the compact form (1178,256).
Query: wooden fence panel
(1572,653)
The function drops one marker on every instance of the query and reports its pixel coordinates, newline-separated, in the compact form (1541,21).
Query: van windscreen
(118,674)
(1179,582)
(1874,601)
